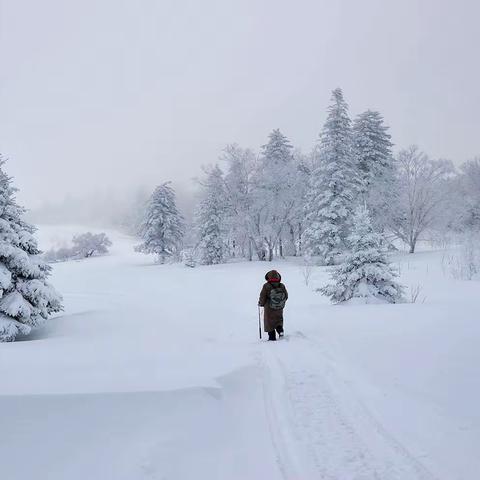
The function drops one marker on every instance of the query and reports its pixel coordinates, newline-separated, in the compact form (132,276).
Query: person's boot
(271,336)
(280,331)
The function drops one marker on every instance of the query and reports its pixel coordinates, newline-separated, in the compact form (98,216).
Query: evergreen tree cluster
(282,202)
(344,202)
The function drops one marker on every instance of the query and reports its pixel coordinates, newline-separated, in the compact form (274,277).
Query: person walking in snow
(272,298)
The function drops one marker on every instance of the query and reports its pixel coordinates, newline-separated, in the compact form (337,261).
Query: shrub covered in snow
(83,246)
(26,298)
(90,244)
(188,258)
(365,274)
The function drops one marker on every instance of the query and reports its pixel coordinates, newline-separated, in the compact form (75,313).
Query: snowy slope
(156,372)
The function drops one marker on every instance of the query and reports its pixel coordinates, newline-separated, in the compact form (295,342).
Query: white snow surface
(156,372)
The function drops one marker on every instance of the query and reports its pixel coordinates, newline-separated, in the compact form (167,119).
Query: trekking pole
(259,323)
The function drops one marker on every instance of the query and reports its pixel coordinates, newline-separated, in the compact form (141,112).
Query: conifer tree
(365,273)
(211,220)
(372,150)
(26,297)
(333,185)
(162,228)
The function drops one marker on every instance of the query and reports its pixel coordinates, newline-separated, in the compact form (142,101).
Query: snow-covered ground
(156,372)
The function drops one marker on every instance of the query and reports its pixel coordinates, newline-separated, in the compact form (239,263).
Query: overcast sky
(102,93)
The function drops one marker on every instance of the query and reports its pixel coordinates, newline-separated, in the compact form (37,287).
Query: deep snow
(157,372)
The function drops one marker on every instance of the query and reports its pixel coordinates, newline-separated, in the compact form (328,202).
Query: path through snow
(329,433)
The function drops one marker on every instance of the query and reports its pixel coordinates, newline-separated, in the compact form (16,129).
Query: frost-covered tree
(162,228)
(189,258)
(84,245)
(333,185)
(263,196)
(90,244)
(26,297)
(372,149)
(275,195)
(468,201)
(420,194)
(243,219)
(211,218)
(365,274)
(294,231)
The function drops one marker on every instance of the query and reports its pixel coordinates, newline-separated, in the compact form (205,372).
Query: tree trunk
(292,239)
(412,243)
(299,245)
(270,248)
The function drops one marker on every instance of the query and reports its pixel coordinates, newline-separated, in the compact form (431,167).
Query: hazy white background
(111,94)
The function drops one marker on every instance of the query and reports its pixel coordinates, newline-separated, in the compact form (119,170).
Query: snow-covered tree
(333,185)
(26,297)
(162,228)
(243,225)
(59,254)
(365,274)
(264,197)
(372,147)
(374,163)
(84,245)
(292,236)
(89,244)
(420,194)
(468,200)
(188,258)
(211,220)
(275,196)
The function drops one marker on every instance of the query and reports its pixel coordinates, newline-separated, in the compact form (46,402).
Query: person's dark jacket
(272,318)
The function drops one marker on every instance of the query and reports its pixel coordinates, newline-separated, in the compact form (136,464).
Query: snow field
(157,372)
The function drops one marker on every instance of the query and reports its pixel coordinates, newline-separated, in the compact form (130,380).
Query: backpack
(277,298)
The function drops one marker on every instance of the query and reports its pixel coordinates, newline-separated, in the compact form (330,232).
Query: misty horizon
(119,96)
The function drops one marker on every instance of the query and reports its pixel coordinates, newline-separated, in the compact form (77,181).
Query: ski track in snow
(331,434)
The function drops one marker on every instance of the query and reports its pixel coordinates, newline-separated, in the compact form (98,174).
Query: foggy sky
(110,94)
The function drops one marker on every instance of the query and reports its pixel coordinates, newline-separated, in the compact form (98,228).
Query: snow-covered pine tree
(162,228)
(372,147)
(372,150)
(26,297)
(332,187)
(365,273)
(211,219)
